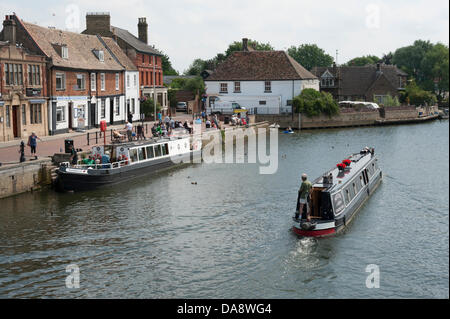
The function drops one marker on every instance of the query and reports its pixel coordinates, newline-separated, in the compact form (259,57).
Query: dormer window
(327,79)
(100,54)
(64,52)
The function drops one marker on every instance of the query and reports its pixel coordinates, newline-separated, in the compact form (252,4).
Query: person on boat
(129,128)
(304,192)
(140,132)
(73,155)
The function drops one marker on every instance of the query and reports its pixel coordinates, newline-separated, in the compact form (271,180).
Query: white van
(225,107)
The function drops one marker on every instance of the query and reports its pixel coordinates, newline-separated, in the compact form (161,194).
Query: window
(141,153)
(133,107)
(35,114)
(262,102)
(143,58)
(60,114)
(64,52)
(24,114)
(34,75)
(267,86)
(80,82)
(117,105)
(135,81)
(355,190)
(102,81)
(380,99)
(237,87)
(361,180)
(150,153)
(133,155)
(157,151)
(102,109)
(223,87)
(128,81)
(288,102)
(117,81)
(327,82)
(338,202)
(60,81)
(13,74)
(93,82)
(348,196)
(8,122)
(101,56)
(165,149)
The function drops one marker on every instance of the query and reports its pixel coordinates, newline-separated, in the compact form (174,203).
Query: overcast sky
(190,29)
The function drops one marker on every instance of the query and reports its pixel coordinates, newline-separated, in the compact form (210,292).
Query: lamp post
(154,90)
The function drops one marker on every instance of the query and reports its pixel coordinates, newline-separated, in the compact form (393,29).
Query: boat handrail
(100,166)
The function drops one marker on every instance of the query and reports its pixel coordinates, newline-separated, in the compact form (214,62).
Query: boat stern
(314,229)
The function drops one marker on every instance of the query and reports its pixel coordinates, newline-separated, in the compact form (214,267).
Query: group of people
(210,122)
(165,128)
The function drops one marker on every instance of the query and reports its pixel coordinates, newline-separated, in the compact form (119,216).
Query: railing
(98,136)
(104,166)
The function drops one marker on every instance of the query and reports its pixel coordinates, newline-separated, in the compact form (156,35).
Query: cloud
(189,29)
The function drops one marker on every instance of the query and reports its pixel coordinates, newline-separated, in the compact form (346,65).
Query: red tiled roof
(260,66)
(80,47)
(120,55)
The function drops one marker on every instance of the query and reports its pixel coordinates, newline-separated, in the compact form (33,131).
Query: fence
(255,110)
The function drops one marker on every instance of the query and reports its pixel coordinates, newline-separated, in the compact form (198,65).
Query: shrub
(313,103)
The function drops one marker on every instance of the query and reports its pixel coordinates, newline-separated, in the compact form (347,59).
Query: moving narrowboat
(337,196)
(127,161)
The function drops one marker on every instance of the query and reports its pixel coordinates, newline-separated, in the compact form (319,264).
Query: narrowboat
(127,161)
(338,195)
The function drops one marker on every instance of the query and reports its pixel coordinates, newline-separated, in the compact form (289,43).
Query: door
(70,114)
(15,122)
(92,114)
(111,111)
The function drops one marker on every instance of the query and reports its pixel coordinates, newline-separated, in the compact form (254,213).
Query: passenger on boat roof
(129,128)
(73,155)
(304,192)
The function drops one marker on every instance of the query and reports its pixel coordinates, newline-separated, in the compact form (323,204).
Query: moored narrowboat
(127,161)
(338,195)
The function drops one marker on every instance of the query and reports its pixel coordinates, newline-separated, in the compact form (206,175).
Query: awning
(2,103)
(40,101)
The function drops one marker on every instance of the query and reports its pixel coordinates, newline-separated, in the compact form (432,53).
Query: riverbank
(351,118)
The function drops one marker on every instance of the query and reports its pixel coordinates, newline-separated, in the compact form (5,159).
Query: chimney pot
(244,44)
(9,30)
(143,30)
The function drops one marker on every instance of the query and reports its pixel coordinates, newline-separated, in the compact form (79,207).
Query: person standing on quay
(130,117)
(129,128)
(32,143)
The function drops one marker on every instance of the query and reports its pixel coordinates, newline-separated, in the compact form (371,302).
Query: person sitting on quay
(208,124)
(186,126)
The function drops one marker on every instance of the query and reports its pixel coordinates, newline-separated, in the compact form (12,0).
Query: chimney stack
(244,44)
(9,29)
(98,23)
(142,30)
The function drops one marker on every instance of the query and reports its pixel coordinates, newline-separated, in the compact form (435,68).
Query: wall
(286,89)
(28,176)
(399,112)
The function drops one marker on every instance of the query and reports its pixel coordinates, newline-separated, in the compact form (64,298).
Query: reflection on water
(229,235)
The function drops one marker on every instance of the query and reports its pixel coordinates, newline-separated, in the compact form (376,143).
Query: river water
(229,235)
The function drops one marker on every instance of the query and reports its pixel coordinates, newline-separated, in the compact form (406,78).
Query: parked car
(181,106)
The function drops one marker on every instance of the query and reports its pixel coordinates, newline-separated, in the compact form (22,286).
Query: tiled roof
(356,80)
(119,54)
(80,48)
(260,66)
(133,41)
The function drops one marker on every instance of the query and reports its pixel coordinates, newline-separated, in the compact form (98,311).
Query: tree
(167,66)
(313,103)
(414,95)
(435,66)
(310,55)
(237,46)
(409,59)
(364,60)
(148,107)
(387,58)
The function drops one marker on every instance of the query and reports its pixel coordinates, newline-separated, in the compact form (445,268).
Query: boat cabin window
(338,202)
(150,153)
(157,150)
(133,155)
(165,149)
(361,180)
(141,153)
(355,190)
(347,196)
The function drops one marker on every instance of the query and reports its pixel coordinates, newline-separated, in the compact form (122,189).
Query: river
(229,235)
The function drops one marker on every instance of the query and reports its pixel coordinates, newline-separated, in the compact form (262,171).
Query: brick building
(23,106)
(85,82)
(361,83)
(145,57)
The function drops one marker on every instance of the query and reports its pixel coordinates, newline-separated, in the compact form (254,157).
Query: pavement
(9,151)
